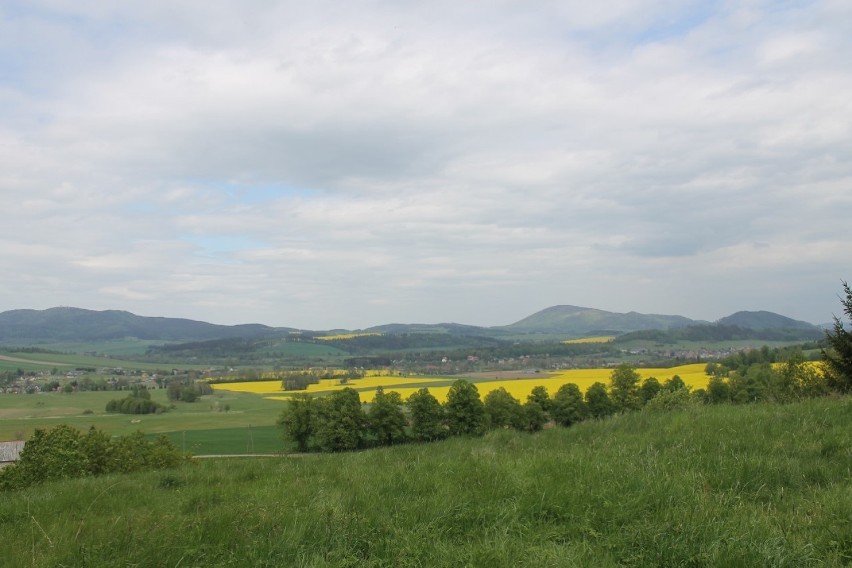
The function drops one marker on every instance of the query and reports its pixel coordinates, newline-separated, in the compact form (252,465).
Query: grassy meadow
(125,347)
(21,414)
(752,485)
(228,441)
(70,361)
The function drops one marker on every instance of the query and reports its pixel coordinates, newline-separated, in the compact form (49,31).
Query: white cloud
(347,165)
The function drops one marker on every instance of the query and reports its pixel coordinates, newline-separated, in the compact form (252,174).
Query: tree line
(340,422)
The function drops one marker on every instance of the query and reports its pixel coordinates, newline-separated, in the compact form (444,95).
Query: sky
(329,165)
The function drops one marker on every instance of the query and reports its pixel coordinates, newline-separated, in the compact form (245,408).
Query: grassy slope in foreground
(759,485)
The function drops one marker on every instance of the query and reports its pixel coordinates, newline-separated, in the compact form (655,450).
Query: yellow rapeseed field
(346,336)
(326,385)
(598,339)
(693,375)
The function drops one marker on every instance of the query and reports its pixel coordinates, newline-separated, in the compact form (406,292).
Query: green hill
(578,321)
(755,485)
(764,320)
(75,324)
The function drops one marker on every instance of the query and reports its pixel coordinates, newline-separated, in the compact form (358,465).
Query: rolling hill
(19,327)
(75,324)
(579,321)
(764,320)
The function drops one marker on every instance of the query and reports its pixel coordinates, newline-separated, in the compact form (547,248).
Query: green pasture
(737,344)
(114,348)
(304,349)
(69,361)
(25,366)
(229,441)
(20,414)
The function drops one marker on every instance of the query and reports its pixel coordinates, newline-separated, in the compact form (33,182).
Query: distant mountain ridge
(450,328)
(68,324)
(579,320)
(764,320)
(76,324)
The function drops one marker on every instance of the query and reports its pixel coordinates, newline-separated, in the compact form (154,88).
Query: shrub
(62,452)
(137,402)
(668,400)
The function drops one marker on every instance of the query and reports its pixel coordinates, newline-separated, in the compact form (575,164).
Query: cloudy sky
(347,164)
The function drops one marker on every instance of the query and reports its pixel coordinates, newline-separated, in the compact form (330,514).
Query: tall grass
(757,485)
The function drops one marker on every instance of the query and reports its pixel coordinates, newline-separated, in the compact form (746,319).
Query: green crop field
(114,348)
(23,413)
(63,361)
(750,485)
(303,349)
(14,365)
(229,441)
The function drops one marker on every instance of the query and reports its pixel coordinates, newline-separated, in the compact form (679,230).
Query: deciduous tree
(598,401)
(718,390)
(675,383)
(427,416)
(568,405)
(624,387)
(340,422)
(386,419)
(649,389)
(503,409)
(297,421)
(535,417)
(464,409)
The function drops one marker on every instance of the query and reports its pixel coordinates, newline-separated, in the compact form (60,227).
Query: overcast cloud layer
(347,164)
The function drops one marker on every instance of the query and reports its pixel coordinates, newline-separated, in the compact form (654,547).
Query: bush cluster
(338,422)
(187,390)
(301,380)
(137,402)
(63,452)
(795,379)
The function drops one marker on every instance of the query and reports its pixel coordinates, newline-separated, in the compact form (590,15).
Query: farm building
(9,452)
